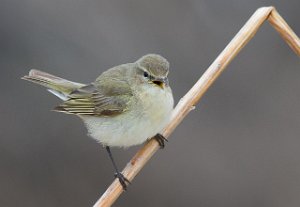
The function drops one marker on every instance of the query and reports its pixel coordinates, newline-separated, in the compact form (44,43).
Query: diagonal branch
(186,104)
(285,31)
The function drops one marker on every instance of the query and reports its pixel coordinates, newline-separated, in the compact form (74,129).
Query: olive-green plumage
(111,92)
(124,106)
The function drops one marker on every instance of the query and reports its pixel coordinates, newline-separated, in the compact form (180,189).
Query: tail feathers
(60,95)
(56,85)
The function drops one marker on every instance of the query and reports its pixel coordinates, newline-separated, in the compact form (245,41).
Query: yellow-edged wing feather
(105,97)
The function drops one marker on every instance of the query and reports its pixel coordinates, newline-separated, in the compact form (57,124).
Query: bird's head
(154,69)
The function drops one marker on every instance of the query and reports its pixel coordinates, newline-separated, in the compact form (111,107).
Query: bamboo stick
(285,31)
(187,103)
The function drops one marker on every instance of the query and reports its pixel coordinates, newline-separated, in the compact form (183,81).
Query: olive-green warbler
(124,106)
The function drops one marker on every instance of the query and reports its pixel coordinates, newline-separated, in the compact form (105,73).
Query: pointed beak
(161,82)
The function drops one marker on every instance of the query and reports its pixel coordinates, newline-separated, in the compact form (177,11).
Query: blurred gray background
(240,147)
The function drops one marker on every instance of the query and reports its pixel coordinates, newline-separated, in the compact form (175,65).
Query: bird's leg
(123,180)
(160,139)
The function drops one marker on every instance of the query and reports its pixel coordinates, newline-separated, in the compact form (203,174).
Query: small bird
(125,106)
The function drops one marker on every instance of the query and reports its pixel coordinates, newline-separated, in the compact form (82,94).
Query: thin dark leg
(118,174)
(161,140)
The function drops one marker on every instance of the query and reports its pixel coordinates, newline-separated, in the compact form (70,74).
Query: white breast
(147,118)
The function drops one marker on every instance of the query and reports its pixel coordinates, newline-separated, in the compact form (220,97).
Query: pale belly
(134,126)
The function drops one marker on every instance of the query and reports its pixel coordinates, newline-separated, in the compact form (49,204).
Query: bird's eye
(146,75)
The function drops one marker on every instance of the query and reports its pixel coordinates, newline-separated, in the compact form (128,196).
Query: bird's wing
(104,97)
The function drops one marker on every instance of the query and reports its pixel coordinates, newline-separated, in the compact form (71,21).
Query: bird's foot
(161,140)
(123,180)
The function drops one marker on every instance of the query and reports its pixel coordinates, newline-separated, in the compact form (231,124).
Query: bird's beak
(161,82)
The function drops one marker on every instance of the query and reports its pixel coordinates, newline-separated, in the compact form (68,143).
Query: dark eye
(146,75)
